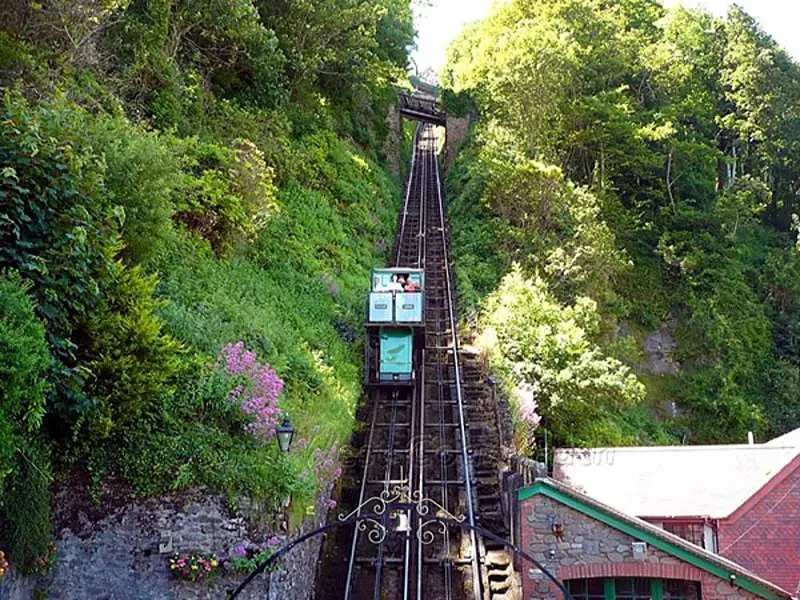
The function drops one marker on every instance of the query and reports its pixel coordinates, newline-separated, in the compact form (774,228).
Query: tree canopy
(648,159)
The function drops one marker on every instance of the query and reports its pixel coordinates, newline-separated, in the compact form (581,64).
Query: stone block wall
(457,131)
(125,556)
(394,141)
(590,548)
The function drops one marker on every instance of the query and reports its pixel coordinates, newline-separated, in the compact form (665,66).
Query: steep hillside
(191,195)
(627,206)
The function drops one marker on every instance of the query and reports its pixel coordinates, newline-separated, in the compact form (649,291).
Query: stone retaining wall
(457,131)
(125,556)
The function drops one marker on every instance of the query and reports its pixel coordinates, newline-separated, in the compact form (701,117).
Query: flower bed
(193,566)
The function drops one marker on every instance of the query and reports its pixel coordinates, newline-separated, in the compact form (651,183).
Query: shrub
(25,519)
(58,233)
(257,391)
(141,173)
(24,360)
(24,460)
(552,350)
(132,361)
(226,194)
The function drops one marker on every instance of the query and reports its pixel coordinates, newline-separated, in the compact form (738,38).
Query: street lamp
(285,434)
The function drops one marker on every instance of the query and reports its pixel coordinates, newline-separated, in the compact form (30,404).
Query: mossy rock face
(658,348)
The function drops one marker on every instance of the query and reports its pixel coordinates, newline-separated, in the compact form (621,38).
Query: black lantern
(285,434)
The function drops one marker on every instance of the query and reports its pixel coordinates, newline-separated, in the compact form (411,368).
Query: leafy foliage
(58,233)
(132,361)
(534,340)
(141,173)
(175,178)
(227,194)
(24,363)
(646,158)
(24,461)
(26,518)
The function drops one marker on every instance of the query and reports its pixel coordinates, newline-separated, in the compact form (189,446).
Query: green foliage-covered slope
(177,179)
(646,161)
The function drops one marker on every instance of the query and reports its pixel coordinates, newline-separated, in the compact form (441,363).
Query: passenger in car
(412,286)
(395,285)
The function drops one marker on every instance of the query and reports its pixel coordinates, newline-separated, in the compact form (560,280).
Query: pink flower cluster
(249,550)
(258,394)
(327,472)
(526,401)
(192,566)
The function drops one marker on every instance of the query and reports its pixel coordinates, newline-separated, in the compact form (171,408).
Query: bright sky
(440,23)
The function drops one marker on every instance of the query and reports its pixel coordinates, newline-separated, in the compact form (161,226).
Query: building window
(632,589)
(678,589)
(586,589)
(693,532)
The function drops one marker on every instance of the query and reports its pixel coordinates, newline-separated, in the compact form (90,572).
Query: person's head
(394,277)
(401,279)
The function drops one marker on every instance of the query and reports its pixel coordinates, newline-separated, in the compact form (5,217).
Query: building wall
(394,139)
(590,548)
(457,131)
(125,555)
(764,534)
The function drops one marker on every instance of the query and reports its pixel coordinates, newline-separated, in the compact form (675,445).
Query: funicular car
(395,325)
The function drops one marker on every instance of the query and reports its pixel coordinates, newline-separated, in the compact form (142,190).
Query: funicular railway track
(385,570)
(418,436)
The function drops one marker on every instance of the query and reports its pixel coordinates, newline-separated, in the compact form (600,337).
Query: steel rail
(361,498)
(421,467)
(477,579)
(422,357)
(441,331)
(400,234)
(405,241)
(376,587)
(419,385)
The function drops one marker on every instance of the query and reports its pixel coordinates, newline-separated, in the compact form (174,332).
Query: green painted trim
(657,589)
(609,589)
(701,563)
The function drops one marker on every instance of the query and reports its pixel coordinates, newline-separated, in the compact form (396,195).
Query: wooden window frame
(683,526)
(610,588)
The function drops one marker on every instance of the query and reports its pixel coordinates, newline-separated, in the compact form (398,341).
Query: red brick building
(741,502)
(763,534)
(602,554)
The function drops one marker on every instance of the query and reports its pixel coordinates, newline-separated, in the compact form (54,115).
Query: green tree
(24,362)
(683,128)
(24,462)
(551,347)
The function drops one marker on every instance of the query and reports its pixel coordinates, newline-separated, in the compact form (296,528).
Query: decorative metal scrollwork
(427,536)
(401,498)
